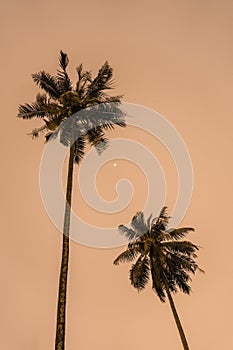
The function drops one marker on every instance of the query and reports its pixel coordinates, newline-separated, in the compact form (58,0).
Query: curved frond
(138,224)
(184,247)
(127,256)
(163,213)
(65,136)
(63,80)
(157,274)
(106,115)
(176,277)
(84,78)
(182,261)
(96,138)
(163,218)
(149,221)
(181,279)
(127,232)
(178,233)
(140,273)
(36,132)
(63,60)
(79,149)
(28,111)
(113,99)
(48,83)
(102,82)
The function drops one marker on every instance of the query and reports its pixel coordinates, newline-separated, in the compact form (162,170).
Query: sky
(174,57)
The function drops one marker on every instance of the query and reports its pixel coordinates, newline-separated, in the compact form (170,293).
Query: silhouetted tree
(78,115)
(162,255)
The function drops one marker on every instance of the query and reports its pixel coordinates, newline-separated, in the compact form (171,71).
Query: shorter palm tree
(162,255)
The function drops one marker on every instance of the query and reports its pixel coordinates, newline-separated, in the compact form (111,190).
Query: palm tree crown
(160,253)
(61,100)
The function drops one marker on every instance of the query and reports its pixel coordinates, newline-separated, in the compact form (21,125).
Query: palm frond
(176,278)
(113,99)
(84,77)
(63,80)
(182,261)
(181,280)
(105,115)
(28,111)
(65,136)
(127,232)
(163,217)
(127,256)
(177,233)
(140,273)
(102,82)
(48,83)
(184,247)
(138,224)
(157,273)
(63,60)
(36,132)
(149,221)
(163,213)
(79,149)
(40,108)
(97,139)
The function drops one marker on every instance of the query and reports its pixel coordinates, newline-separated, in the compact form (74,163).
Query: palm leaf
(149,221)
(65,136)
(48,83)
(105,115)
(184,247)
(28,111)
(79,149)
(138,224)
(127,232)
(97,139)
(103,81)
(176,277)
(127,256)
(63,80)
(182,262)
(140,273)
(163,213)
(63,60)
(157,273)
(177,233)
(84,77)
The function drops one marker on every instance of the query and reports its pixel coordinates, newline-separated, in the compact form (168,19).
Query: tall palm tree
(162,255)
(77,114)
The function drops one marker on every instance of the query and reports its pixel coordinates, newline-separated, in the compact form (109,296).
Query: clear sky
(174,57)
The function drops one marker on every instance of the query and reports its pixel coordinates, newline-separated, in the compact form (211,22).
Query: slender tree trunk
(61,305)
(176,317)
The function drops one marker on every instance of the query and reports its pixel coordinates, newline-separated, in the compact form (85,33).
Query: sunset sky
(174,57)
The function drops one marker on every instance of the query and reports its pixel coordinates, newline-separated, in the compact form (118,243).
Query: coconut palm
(78,114)
(162,255)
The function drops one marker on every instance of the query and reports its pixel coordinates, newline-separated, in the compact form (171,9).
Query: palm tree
(162,255)
(59,106)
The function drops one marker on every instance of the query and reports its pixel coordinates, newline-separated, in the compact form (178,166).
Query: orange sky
(174,57)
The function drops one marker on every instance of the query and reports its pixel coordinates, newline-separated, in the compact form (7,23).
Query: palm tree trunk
(176,317)
(61,305)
